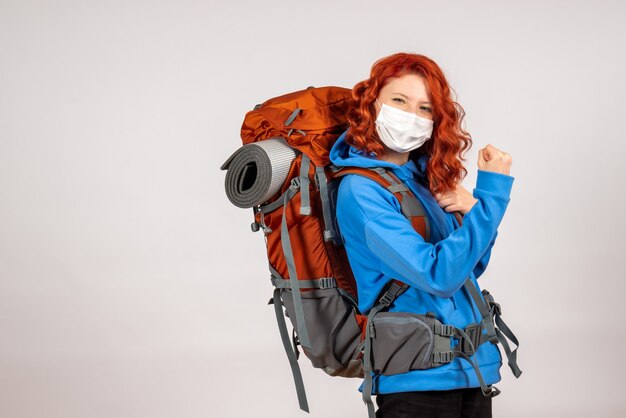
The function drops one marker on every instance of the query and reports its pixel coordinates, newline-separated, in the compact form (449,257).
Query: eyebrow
(405,96)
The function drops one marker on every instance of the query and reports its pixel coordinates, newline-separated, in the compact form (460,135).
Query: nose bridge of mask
(402,119)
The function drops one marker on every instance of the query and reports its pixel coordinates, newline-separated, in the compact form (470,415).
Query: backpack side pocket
(401,342)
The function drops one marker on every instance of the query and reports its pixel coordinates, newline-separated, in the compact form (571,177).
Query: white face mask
(402,131)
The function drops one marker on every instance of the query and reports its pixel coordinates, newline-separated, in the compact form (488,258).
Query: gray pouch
(333,330)
(402,341)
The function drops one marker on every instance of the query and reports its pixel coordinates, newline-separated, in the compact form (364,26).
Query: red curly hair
(448,142)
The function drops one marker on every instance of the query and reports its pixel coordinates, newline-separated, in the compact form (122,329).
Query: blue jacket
(381,245)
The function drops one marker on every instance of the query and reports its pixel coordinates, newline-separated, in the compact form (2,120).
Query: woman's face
(407,92)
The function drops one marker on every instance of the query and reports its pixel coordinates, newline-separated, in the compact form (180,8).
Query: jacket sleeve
(483,262)
(402,253)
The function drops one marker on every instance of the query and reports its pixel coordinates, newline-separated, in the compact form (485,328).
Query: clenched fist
(491,158)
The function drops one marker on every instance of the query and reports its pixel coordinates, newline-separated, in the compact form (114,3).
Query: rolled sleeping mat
(257,171)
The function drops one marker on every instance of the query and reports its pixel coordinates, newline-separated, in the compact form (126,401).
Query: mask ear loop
(380,111)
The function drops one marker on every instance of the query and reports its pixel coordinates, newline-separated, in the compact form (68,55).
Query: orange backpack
(307,261)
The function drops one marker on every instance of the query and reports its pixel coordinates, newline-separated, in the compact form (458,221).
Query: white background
(131,287)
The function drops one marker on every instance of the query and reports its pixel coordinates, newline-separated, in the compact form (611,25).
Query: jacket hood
(344,155)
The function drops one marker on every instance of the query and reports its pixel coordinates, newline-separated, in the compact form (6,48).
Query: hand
(491,158)
(459,199)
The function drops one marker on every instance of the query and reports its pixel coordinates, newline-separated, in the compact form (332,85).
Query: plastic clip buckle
(443,357)
(446,330)
(326,282)
(386,299)
(295,182)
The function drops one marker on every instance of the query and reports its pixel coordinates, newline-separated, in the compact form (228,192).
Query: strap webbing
(291,354)
(410,204)
(329,232)
(511,356)
(487,317)
(322,283)
(488,390)
(489,311)
(281,200)
(394,188)
(305,201)
(274,205)
(293,115)
(285,240)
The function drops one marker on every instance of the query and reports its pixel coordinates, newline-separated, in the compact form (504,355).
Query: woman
(405,120)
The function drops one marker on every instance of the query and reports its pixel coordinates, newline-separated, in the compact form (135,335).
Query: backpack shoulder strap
(411,206)
(459,217)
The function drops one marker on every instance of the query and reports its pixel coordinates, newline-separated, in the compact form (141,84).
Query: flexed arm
(368,212)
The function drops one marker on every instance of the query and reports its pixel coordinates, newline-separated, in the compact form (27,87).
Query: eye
(399,100)
(426,108)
